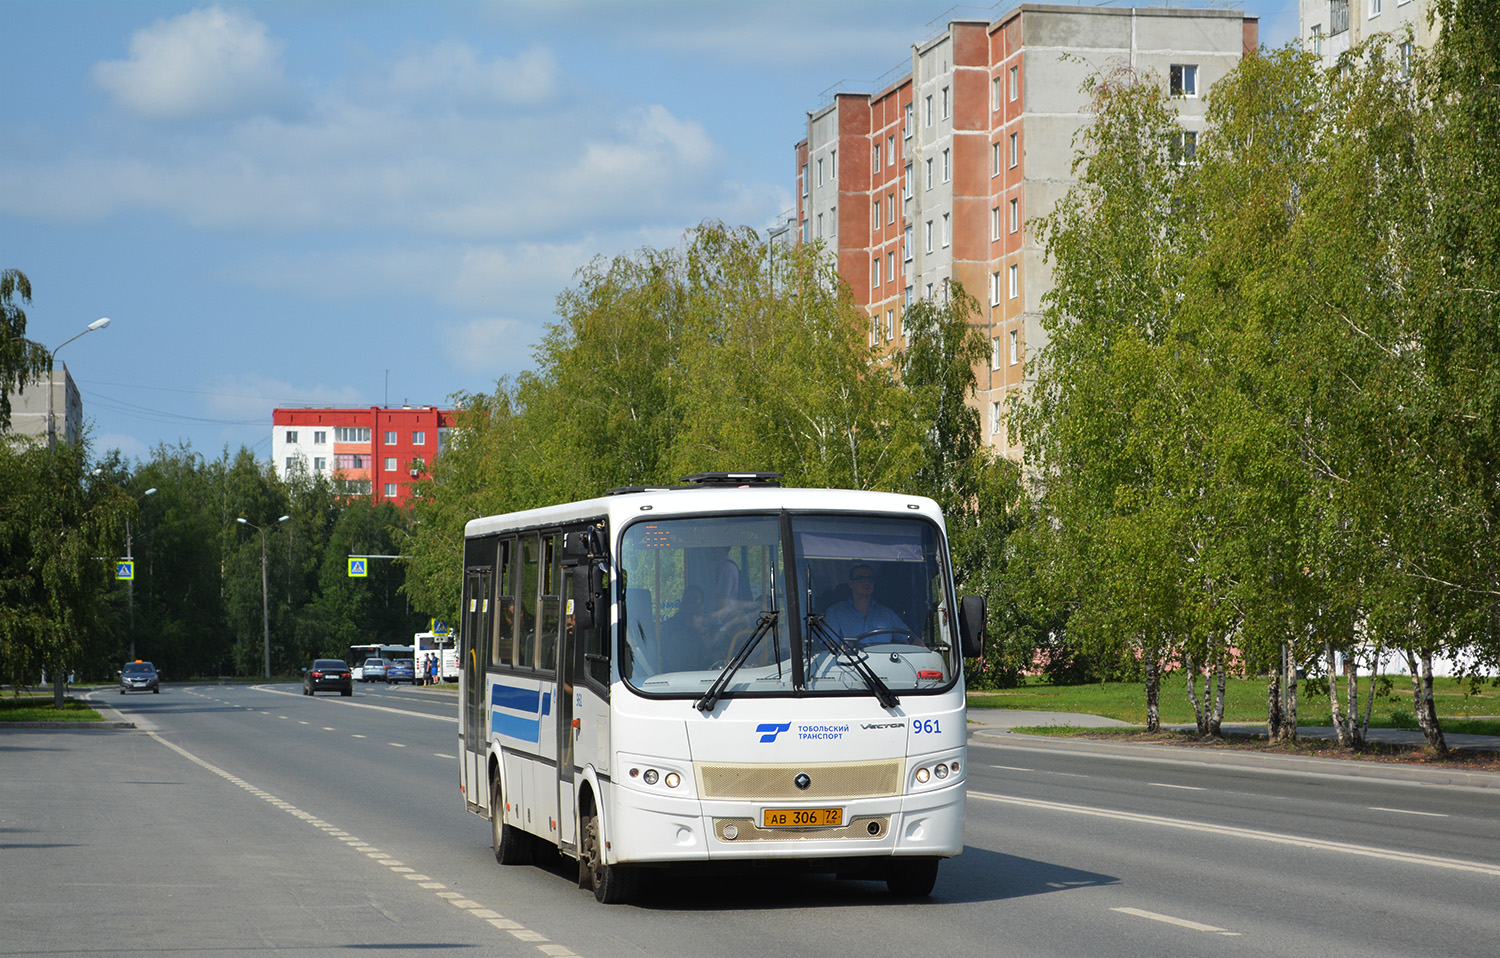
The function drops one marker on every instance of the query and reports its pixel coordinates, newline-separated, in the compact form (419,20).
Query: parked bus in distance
(721,674)
(358,654)
(444,647)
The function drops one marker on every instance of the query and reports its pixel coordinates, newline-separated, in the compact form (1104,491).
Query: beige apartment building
(935,176)
(1332,27)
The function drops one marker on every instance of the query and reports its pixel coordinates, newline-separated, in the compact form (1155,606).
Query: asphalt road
(249,820)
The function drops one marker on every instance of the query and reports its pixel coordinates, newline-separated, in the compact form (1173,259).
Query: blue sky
(353,203)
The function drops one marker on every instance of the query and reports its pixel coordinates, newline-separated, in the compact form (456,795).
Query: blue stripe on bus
(535,702)
(513,726)
(511,697)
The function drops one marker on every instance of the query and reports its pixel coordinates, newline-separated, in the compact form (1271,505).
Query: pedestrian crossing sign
(124,569)
(357,568)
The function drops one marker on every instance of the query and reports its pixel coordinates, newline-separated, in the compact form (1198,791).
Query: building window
(945,103)
(875,272)
(890,151)
(908,300)
(929,172)
(833,221)
(351,460)
(929,292)
(876,164)
(1406,57)
(1375,7)
(929,236)
(1015,281)
(994,93)
(820,171)
(876,217)
(1015,348)
(994,159)
(890,206)
(806,231)
(890,325)
(947,229)
(994,419)
(907,126)
(890,266)
(927,112)
(1183,78)
(995,301)
(820,226)
(1015,149)
(833,164)
(390,463)
(994,222)
(291,463)
(419,438)
(803,178)
(947,165)
(291,435)
(906,186)
(1184,146)
(1317,38)
(390,437)
(390,489)
(906,246)
(320,464)
(351,434)
(1015,83)
(875,330)
(320,437)
(995,350)
(1015,215)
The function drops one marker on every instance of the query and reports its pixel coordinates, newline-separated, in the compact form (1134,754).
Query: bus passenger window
(505,615)
(546,650)
(526,607)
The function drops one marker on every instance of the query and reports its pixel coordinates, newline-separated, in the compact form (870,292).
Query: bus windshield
(705,600)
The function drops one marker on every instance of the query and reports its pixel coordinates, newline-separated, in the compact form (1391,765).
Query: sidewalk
(1009,719)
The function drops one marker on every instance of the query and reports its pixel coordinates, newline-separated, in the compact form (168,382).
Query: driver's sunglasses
(861,578)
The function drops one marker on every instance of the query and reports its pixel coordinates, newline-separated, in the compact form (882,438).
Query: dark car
(401,670)
(139,676)
(328,675)
(374,670)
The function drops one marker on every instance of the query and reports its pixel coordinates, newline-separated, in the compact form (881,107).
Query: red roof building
(375,451)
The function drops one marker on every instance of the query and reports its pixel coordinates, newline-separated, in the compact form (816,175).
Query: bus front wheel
(613,884)
(512,846)
(912,877)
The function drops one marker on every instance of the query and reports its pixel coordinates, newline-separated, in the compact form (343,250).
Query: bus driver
(860,613)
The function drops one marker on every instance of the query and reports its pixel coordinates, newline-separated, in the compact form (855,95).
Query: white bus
(660,677)
(444,647)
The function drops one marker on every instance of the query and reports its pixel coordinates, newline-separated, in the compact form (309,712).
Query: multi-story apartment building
(28,407)
(1332,27)
(375,451)
(936,176)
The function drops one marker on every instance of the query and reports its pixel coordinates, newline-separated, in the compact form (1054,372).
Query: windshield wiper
(765,623)
(857,659)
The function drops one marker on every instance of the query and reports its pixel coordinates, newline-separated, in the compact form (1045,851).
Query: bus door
(475,649)
(567,833)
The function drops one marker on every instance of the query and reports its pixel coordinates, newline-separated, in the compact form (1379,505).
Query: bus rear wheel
(512,846)
(912,877)
(613,884)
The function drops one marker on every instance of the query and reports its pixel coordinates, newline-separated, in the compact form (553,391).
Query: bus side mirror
(971,625)
(588,593)
(575,545)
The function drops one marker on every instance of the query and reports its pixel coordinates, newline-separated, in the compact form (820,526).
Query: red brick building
(374,451)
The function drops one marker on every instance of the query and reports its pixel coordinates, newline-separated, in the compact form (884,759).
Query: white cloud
(253,396)
(206,63)
(492,346)
(455,73)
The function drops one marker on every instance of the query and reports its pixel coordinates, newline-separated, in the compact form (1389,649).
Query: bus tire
(613,884)
(912,877)
(512,846)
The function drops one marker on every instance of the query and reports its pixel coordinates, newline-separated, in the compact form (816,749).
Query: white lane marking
(364,705)
(1179,922)
(1012,768)
(441,755)
(329,728)
(1190,788)
(395,745)
(1232,831)
(1407,811)
(357,735)
(516,929)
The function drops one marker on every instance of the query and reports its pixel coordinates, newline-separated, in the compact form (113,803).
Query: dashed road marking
(1186,788)
(1179,922)
(457,899)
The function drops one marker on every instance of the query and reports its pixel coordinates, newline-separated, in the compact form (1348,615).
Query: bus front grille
(740,830)
(773,782)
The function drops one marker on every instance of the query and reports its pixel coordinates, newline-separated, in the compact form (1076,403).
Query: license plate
(801,817)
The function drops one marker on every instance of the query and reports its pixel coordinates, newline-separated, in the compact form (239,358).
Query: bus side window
(551,602)
(526,607)
(505,617)
(595,641)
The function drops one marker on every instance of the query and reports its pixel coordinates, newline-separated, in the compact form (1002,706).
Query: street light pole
(130,582)
(265,594)
(60,679)
(51,372)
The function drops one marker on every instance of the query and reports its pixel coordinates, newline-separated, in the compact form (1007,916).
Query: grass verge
(38,708)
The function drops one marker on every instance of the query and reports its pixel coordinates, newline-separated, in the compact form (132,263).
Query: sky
(370,202)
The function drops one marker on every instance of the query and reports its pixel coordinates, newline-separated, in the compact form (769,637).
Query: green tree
(21,360)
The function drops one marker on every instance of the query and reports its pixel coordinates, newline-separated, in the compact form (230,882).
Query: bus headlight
(650,777)
(922,775)
(940,770)
(673,780)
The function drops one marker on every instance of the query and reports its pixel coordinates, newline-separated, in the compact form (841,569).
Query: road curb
(88,726)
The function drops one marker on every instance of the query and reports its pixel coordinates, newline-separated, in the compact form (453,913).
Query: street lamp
(265,595)
(51,426)
(130,582)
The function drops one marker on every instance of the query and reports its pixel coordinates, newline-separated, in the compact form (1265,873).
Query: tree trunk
(1289,727)
(1340,727)
(1216,717)
(1273,707)
(1364,725)
(1421,687)
(1192,682)
(1153,692)
(1351,687)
